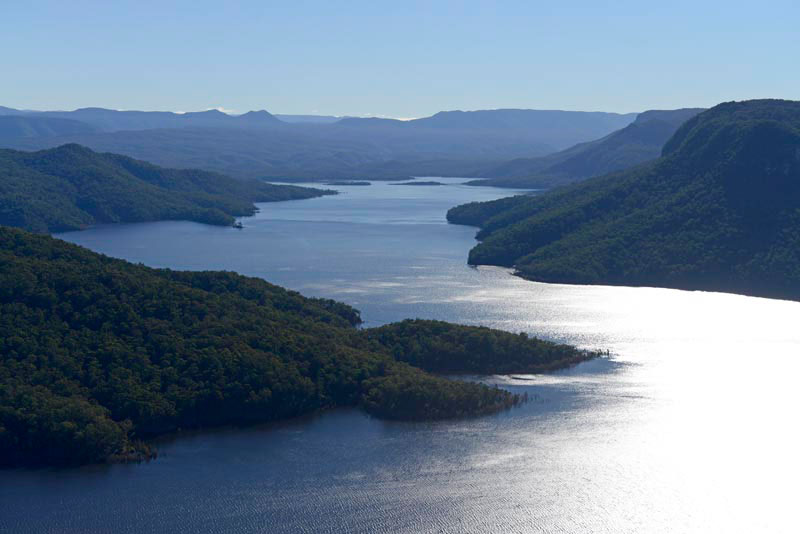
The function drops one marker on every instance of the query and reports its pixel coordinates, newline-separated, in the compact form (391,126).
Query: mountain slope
(98,354)
(634,144)
(71,187)
(720,210)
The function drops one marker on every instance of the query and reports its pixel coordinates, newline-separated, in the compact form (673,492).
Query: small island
(418,183)
(347,182)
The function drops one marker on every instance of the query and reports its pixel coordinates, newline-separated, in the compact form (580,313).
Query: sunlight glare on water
(688,426)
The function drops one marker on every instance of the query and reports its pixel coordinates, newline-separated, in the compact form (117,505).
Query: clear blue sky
(400,59)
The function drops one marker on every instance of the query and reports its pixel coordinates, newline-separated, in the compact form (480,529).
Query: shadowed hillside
(720,210)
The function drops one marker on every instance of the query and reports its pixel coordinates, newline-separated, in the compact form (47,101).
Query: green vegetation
(634,144)
(720,210)
(98,355)
(441,347)
(71,187)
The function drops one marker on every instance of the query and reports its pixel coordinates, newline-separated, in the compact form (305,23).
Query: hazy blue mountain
(290,154)
(557,129)
(71,187)
(13,126)
(110,120)
(259,145)
(632,145)
(720,210)
(258,117)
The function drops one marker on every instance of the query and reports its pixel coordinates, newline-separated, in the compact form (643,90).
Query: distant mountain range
(558,129)
(72,187)
(720,211)
(636,143)
(258,144)
(110,120)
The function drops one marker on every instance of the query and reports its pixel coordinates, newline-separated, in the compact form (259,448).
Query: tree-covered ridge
(98,355)
(72,187)
(441,347)
(720,210)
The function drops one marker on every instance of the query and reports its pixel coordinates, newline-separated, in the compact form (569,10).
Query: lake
(686,427)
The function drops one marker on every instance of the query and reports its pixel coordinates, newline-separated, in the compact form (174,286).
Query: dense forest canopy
(99,354)
(442,347)
(72,187)
(720,210)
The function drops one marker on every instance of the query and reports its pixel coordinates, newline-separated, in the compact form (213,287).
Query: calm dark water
(690,426)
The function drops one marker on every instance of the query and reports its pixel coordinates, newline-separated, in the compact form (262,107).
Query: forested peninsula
(719,211)
(100,355)
(71,187)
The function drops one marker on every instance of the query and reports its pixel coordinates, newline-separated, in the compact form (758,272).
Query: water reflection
(688,427)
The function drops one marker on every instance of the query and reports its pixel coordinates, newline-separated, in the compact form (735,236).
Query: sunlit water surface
(689,426)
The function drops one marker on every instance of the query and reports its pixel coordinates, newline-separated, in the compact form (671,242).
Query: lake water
(689,426)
